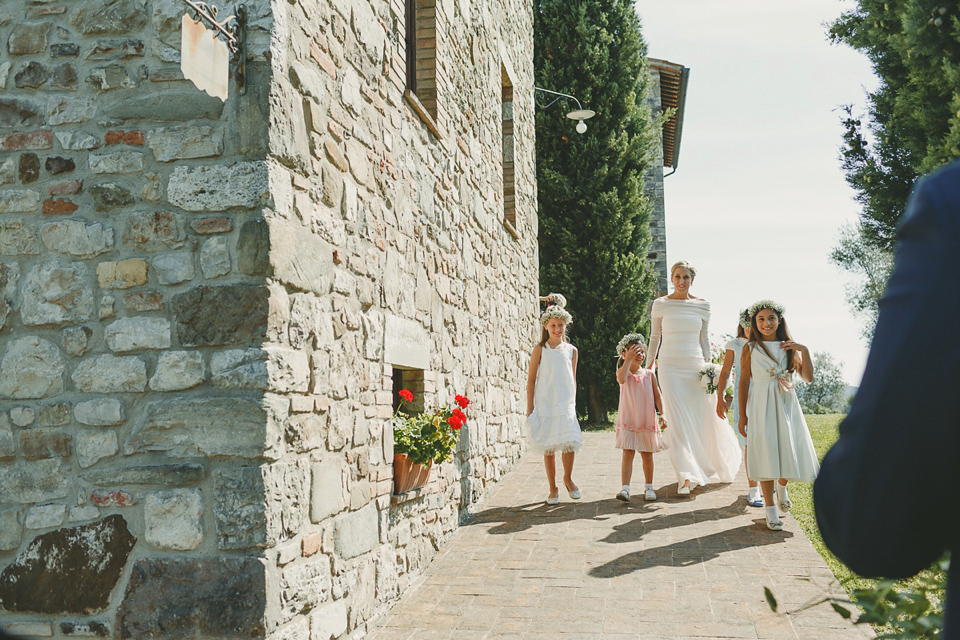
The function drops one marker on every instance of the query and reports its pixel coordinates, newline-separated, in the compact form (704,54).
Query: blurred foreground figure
(888,491)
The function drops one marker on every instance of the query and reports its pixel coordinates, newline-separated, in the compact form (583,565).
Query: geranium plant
(429,435)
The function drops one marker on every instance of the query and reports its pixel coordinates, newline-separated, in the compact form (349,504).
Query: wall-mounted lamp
(579,114)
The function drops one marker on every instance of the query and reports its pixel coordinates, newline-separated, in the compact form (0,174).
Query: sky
(758,198)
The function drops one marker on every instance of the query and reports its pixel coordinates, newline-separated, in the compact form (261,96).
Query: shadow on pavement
(690,552)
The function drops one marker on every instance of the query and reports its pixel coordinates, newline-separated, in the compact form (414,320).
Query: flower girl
(551,400)
(731,364)
(778,441)
(637,428)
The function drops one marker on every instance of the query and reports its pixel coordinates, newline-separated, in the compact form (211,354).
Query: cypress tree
(594,217)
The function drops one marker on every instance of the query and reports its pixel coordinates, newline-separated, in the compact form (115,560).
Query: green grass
(823,431)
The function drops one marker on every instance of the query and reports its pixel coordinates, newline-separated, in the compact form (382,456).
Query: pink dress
(637,427)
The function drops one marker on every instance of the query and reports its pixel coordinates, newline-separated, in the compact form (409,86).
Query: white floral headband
(554,311)
(629,339)
(776,307)
(745,318)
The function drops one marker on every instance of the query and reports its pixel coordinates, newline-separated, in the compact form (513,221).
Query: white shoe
(553,499)
(782,498)
(649,495)
(774,525)
(574,493)
(684,489)
(624,495)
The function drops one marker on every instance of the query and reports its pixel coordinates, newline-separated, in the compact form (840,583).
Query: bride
(702,446)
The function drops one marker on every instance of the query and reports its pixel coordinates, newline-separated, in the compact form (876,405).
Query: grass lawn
(823,430)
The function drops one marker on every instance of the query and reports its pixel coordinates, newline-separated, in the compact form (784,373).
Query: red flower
(405,395)
(455,422)
(459,415)
(462,401)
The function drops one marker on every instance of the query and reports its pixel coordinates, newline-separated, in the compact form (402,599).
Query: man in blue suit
(888,492)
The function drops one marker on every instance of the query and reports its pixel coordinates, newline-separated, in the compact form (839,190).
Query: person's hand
(663,423)
(790,344)
(743,427)
(721,407)
(631,353)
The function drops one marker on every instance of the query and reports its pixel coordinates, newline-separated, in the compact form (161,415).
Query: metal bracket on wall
(235,35)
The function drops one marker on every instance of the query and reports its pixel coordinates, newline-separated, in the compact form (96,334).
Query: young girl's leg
(773,520)
(567,459)
(626,467)
(753,491)
(782,498)
(646,457)
(626,472)
(550,463)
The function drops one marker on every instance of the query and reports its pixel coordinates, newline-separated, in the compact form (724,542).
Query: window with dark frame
(410,380)
(509,194)
(421,44)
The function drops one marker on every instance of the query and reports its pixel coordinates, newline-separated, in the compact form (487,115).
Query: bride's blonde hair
(686,265)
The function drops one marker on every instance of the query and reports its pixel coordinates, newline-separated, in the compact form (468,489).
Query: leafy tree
(827,392)
(594,217)
(872,264)
(912,124)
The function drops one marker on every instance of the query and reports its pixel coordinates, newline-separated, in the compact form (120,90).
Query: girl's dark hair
(741,332)
(793,358)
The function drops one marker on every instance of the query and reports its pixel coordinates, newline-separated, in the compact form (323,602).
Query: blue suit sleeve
(889,486)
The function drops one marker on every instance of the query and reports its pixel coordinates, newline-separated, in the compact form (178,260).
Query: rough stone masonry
(204,307)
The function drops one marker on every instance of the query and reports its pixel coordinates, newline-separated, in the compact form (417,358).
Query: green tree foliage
(594,217)
(872,265)
(827,392)
(912,124)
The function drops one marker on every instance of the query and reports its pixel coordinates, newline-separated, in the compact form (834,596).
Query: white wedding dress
(702,446)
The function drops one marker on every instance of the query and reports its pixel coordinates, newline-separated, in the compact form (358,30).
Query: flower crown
(745,318)
(553,311)
(629,339)
(776,307)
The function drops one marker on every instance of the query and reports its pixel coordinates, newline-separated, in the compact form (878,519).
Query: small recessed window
(509,193)
(408,380)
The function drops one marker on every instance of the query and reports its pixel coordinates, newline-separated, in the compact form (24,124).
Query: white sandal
(782,498)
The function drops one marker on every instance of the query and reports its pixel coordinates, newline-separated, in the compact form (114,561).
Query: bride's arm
(705,341)
(656,327)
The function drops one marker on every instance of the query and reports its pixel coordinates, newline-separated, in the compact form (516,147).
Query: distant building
(669,91)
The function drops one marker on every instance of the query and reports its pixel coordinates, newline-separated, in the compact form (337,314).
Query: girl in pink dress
(637,426)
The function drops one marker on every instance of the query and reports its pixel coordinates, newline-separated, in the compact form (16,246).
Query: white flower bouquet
(709,375)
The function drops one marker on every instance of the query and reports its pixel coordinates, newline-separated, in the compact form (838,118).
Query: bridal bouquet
(709,374)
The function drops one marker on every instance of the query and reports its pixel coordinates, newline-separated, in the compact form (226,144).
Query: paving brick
(680,567)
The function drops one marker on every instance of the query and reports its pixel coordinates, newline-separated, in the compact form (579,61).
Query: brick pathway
(598,568)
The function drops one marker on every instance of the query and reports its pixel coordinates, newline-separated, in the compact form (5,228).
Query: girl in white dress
(702,447)
(731,364)
(778,441)
(551,401)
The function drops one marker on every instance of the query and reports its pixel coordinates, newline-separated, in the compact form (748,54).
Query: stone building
(206,307)
(669,91)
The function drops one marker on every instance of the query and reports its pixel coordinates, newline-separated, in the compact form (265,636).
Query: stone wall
(203,306)
(653,187)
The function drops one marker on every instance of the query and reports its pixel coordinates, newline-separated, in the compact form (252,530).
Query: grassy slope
(823,430)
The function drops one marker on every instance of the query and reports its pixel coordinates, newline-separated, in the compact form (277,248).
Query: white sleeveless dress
(778,440)
(702,446)
(553,426)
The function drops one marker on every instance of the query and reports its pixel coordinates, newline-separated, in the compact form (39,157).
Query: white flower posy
(709,374)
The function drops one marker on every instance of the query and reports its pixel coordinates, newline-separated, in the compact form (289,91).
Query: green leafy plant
(428,435)
(908,611)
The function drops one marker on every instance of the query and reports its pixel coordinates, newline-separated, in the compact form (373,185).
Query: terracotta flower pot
(408,475)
